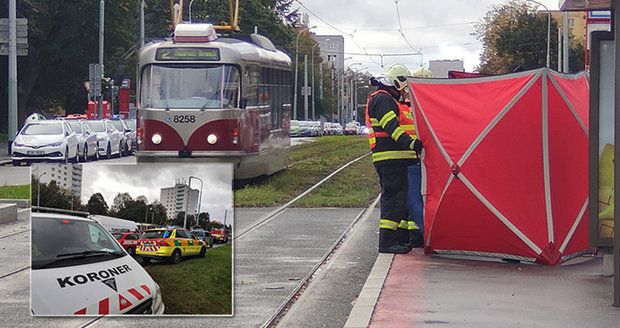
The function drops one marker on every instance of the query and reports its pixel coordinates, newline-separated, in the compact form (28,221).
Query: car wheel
(17,163)
(108,153)
(76,158)
(85,154)
(66,159)
(97,152)
(146,260)
(203,251)
(120,150)
(175,257)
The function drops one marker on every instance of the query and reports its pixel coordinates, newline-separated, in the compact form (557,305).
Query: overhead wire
(339,30)
(400,28)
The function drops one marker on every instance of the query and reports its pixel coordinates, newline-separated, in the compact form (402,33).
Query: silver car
(88,146)
(45,141)
(127,143)
(110,140)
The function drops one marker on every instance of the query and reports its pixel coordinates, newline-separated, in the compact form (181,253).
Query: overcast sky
(148,179)
(442,28)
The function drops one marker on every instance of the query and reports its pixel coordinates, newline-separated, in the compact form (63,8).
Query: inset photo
(132,239)
(14,193)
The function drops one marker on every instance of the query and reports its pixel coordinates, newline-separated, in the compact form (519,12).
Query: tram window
(187,86)
(250,85)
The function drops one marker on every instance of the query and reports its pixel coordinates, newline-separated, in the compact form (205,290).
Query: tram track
(14,233)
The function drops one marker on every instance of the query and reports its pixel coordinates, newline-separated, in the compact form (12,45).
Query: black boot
(416,238)
(404,238)
(388,242)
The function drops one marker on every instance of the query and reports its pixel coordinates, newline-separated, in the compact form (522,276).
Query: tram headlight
(212,139)
(156,139)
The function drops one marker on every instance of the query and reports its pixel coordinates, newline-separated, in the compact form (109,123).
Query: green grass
(15,192)
(355,186)
(308,164)
(197,286)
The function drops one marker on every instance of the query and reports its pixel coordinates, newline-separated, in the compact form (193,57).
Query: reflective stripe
(408,127)
(388,224)
(393,154)
(409,225)
(374,122)
(397,133)
(386,118)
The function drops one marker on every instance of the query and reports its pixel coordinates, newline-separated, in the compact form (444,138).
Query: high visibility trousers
(416,207)
(393,180)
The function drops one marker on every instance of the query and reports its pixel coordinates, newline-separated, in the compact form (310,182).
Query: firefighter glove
(416,145)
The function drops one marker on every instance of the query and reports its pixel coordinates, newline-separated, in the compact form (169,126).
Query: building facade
(68,177)
(440,68)
(179,197)
(332,50)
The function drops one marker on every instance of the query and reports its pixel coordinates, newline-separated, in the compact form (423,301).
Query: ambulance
(78,268)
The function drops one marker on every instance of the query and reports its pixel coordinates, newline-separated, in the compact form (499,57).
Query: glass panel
(606,141)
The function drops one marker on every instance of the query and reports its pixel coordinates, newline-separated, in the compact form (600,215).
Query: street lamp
(39,188)
(190,10)
(548,28)
(313,95)
(297,68)
(189,183)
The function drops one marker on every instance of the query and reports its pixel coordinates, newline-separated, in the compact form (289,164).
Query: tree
(283,10)
(52,195)
(97,204)
(120,202)
(204,219)
(178,220)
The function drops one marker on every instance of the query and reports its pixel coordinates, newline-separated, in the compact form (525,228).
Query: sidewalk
(434,291)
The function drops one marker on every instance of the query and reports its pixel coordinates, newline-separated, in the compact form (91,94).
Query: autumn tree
(514,35)
(53,195)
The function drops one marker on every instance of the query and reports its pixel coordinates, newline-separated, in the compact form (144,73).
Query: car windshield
(42,129)
(118,236)
(60,242)
(118,125)
(190,86)
(154,234)
(198,234)
(131,124)
(97,126)
(76,127)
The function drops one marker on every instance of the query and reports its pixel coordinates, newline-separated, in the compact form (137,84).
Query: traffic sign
(95,73)
(4,36)
(21,34)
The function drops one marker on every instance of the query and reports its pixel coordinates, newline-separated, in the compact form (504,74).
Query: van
(78,268)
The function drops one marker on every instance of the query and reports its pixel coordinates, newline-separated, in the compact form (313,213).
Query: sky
(148,179)
(441,28)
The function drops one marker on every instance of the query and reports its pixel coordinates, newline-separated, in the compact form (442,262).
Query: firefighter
(415,203)
(393,149)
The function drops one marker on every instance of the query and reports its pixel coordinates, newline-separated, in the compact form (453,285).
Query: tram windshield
(182,86)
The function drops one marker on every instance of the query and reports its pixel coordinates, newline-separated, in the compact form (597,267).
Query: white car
(78,268)
(45,140)
(110,140)
(124,130)
(88,146)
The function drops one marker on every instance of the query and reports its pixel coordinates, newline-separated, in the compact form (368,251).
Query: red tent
(463,75)
(505,165)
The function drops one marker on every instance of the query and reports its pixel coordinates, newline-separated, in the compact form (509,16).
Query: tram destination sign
(189,54)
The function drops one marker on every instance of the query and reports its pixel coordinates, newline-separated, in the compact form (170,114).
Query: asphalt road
(14,175)
(269,262)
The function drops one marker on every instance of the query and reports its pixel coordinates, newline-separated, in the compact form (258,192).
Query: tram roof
(239,48)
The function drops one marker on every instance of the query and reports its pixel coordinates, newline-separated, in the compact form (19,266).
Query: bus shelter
(604,135)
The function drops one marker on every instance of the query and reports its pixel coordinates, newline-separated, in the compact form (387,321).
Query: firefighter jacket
(391,132)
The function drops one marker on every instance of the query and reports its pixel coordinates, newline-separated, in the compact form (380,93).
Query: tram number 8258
(184,119)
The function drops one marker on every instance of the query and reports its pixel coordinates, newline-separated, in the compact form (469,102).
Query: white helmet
(397,75)
(422,72)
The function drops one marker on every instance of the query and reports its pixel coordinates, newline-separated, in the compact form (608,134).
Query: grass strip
(355,186)
(308,164)
(197,285)
(15,192)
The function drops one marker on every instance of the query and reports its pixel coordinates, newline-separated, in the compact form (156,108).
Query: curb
(8,213)
(21,203)
(362,311)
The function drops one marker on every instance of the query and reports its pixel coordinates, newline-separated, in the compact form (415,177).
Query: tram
(216,96)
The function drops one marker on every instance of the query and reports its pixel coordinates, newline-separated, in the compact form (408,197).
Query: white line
(545,146)
(499,215)
(497,118)
(575,224)
(570,106)
(445,188)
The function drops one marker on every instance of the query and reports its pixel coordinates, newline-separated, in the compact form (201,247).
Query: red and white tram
(224,97)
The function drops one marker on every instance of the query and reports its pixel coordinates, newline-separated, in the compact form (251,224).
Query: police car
(78,268)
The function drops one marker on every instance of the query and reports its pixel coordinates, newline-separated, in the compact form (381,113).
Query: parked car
(352,128)
(295,128)
(220,235)
(110,140)
(169,244)
(125,136)
(130,126)
(88,146)
(204,236)
(128,240)
(50,140)
(79,269)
